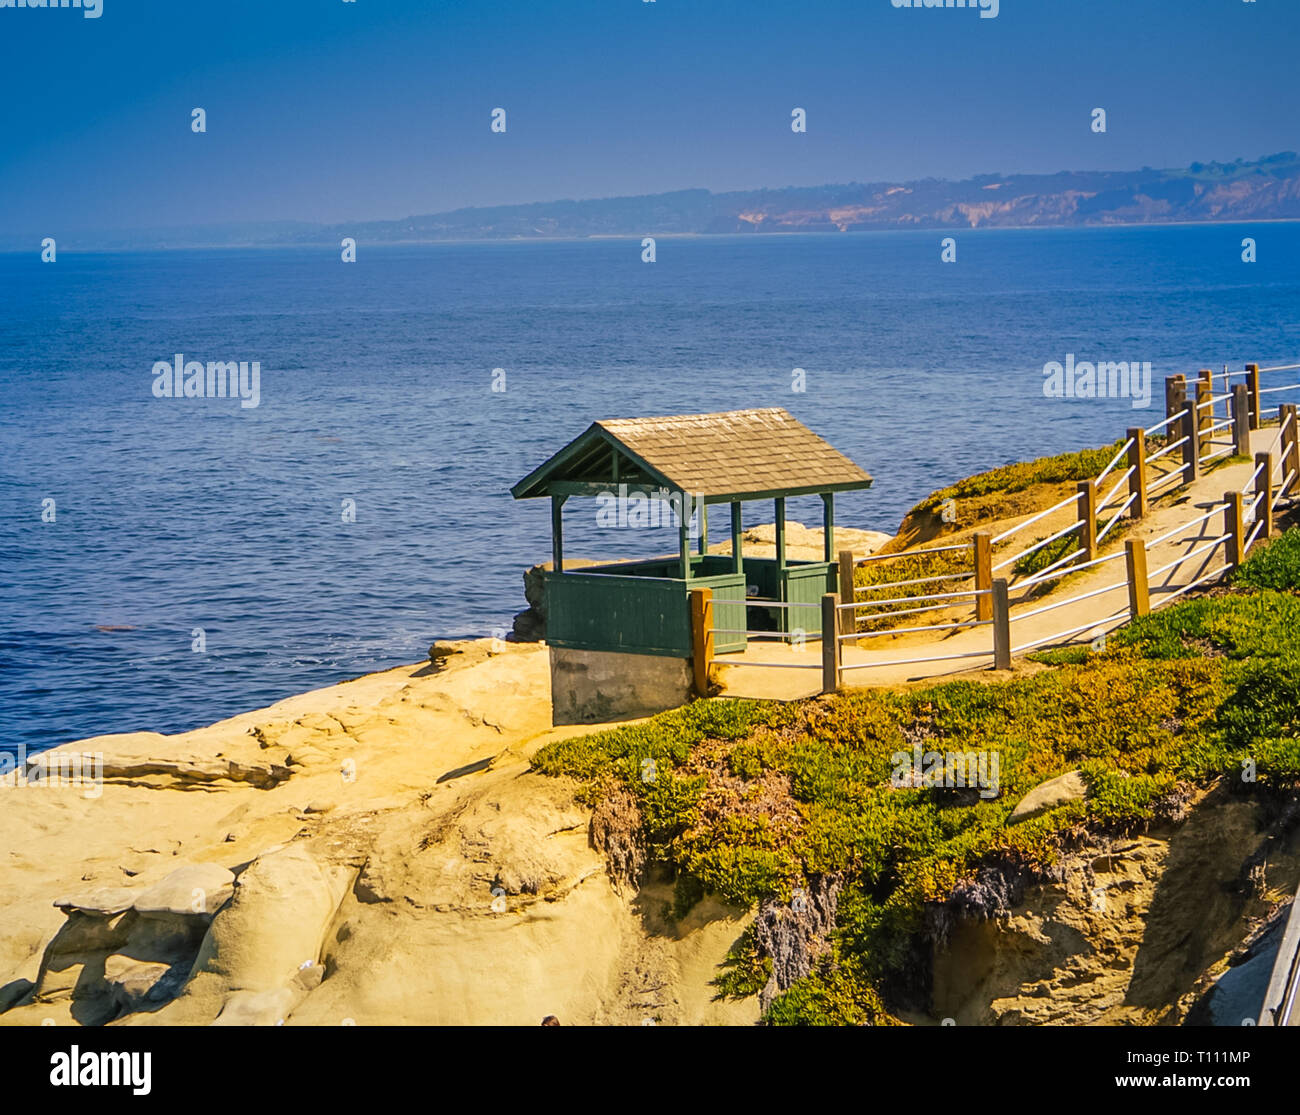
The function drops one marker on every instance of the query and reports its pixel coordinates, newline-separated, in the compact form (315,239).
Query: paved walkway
(1179,507)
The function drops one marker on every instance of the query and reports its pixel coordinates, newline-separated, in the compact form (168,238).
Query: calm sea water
(376,385)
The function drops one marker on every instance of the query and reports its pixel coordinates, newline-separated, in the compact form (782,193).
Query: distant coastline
(1262,190)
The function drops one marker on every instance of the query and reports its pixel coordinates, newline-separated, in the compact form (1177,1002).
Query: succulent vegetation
(1083,465)
(750,800)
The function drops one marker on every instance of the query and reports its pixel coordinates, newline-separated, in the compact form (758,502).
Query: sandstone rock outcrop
(394,862)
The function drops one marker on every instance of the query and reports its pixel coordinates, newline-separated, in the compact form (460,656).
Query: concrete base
(588,686)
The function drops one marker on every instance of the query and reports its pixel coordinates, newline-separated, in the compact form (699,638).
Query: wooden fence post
(1234,527)
(1242,421)
(701,637)
(1137,481)
(1264,495)
(1088,519)
(848,594)
(1139,593)
(1191,447)
(1204,413)
(1175,396)
(982,545)
(1204,393)
(830,642)
(1001,626)
(1252,387)
(1290,448)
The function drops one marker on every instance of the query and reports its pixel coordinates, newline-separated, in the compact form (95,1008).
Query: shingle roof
(737,453)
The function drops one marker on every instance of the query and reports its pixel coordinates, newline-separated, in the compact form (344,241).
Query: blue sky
(325,110)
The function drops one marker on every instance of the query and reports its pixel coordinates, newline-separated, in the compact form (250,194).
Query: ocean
(168,562)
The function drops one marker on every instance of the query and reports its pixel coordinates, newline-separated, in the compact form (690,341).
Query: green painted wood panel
(639,614)
(806,584)
(601,611)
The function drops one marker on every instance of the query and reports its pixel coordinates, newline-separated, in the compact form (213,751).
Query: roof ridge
(706,414)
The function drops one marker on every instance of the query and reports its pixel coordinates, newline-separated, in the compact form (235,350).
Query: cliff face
(1133,931)
(375,852)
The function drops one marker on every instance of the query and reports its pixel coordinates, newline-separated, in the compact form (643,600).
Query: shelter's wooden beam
(557,533)
(684,543)
(737,530)
(595,488)
(703,510)
(828,526)
(780,532)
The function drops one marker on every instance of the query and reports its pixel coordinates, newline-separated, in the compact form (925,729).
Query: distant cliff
(1263,190)
(1267,189)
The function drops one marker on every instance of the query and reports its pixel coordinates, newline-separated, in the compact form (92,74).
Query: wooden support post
(1137,481)
(702,509)
(1290,447)
(1204,395)
(1191,447)
(1241,421)
(737,535)
(1088,519)
(982,544)
(1264,496)
(780,533)
(1252,388)
(1204,415)
(828,526)
(848,594)
(1139,592)
(684,541)
(557,533)
(1234,527)
(701,637)
(1175,394)
(1001,626)
(830,642)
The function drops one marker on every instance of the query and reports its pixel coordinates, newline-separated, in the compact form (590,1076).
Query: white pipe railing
(908,599)
(1168,449)
(1253,477)
(1106,529)
(1030,522)
(1161,425)
(1185,558)
(1072,600)
(854,636)
(906,584)
(1055,565)
(915,661)
(1039,578)
(911,553)
(1071,631)
(1117,458)
(1191,585)
(1036,546)
(1118,484)
(1165,479)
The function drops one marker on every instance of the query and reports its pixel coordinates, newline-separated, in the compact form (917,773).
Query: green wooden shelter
(699,460)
